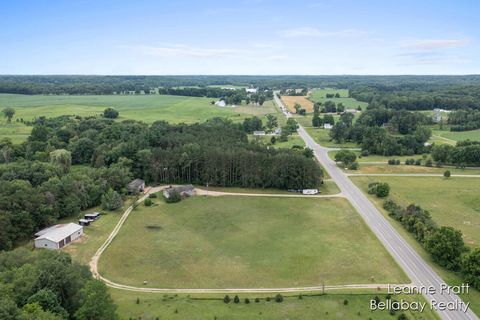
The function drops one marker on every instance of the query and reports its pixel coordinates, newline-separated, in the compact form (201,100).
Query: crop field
(319,95)
(229,241)
(310,307)
(458,208)
(148,108)
(290,101)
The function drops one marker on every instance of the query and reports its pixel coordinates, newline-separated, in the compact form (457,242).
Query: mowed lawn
(319,95)
(200,307)
(247,242)
(452,202)
(147,108)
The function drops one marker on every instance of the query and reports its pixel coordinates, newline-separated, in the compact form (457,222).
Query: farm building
(58,236)
(184,190)
(327,126)
(136,186)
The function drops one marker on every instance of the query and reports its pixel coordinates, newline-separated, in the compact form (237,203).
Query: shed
(84,222)
(327,126)
(58,236)
(258,133)
(187,190)
(92,216)
(136,186)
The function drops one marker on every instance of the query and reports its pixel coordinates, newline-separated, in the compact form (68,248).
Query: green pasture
(229,241)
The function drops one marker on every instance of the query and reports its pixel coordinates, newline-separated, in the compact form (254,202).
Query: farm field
(194,307)
(319,95)
(147,108)
(451,278)
(458,136)
(290,101)
(389,169)
(228,241)
(458,208)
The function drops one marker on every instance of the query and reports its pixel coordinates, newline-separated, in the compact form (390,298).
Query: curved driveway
(421,274)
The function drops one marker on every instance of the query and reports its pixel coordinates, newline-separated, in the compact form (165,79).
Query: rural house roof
(136,183)
(59,232)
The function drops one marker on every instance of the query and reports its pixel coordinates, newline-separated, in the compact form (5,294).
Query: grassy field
(319,95)
(290,102)
(458,206)
(458,136)
(247,242)
(389,169)
(193,307)
(17,132)
(451,278)
(94,235)
(148,108)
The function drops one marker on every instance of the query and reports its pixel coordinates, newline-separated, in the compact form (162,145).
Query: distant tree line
(464,120)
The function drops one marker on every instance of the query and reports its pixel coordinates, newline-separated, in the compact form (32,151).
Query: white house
(58,236)
(258,133)
(251,90)
(327,126)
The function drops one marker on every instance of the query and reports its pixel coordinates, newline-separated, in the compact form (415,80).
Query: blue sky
(240,37)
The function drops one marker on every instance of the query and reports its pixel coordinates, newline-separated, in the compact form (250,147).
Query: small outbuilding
(187,190)
(58,236)
(92,216)
(136,186)
(84,222)
(327,126)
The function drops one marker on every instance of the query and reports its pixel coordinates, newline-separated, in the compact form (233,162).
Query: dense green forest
(397,92)
(47,285)
(37,185)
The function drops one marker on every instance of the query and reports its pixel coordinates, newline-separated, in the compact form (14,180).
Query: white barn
(58,236)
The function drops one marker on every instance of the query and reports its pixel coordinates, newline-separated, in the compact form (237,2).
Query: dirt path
(203,192)
(118,226)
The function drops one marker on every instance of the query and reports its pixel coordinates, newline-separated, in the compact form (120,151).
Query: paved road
(421,274)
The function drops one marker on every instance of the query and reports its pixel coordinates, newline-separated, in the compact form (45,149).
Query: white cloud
(433,44)
(180,50)
(310,32)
